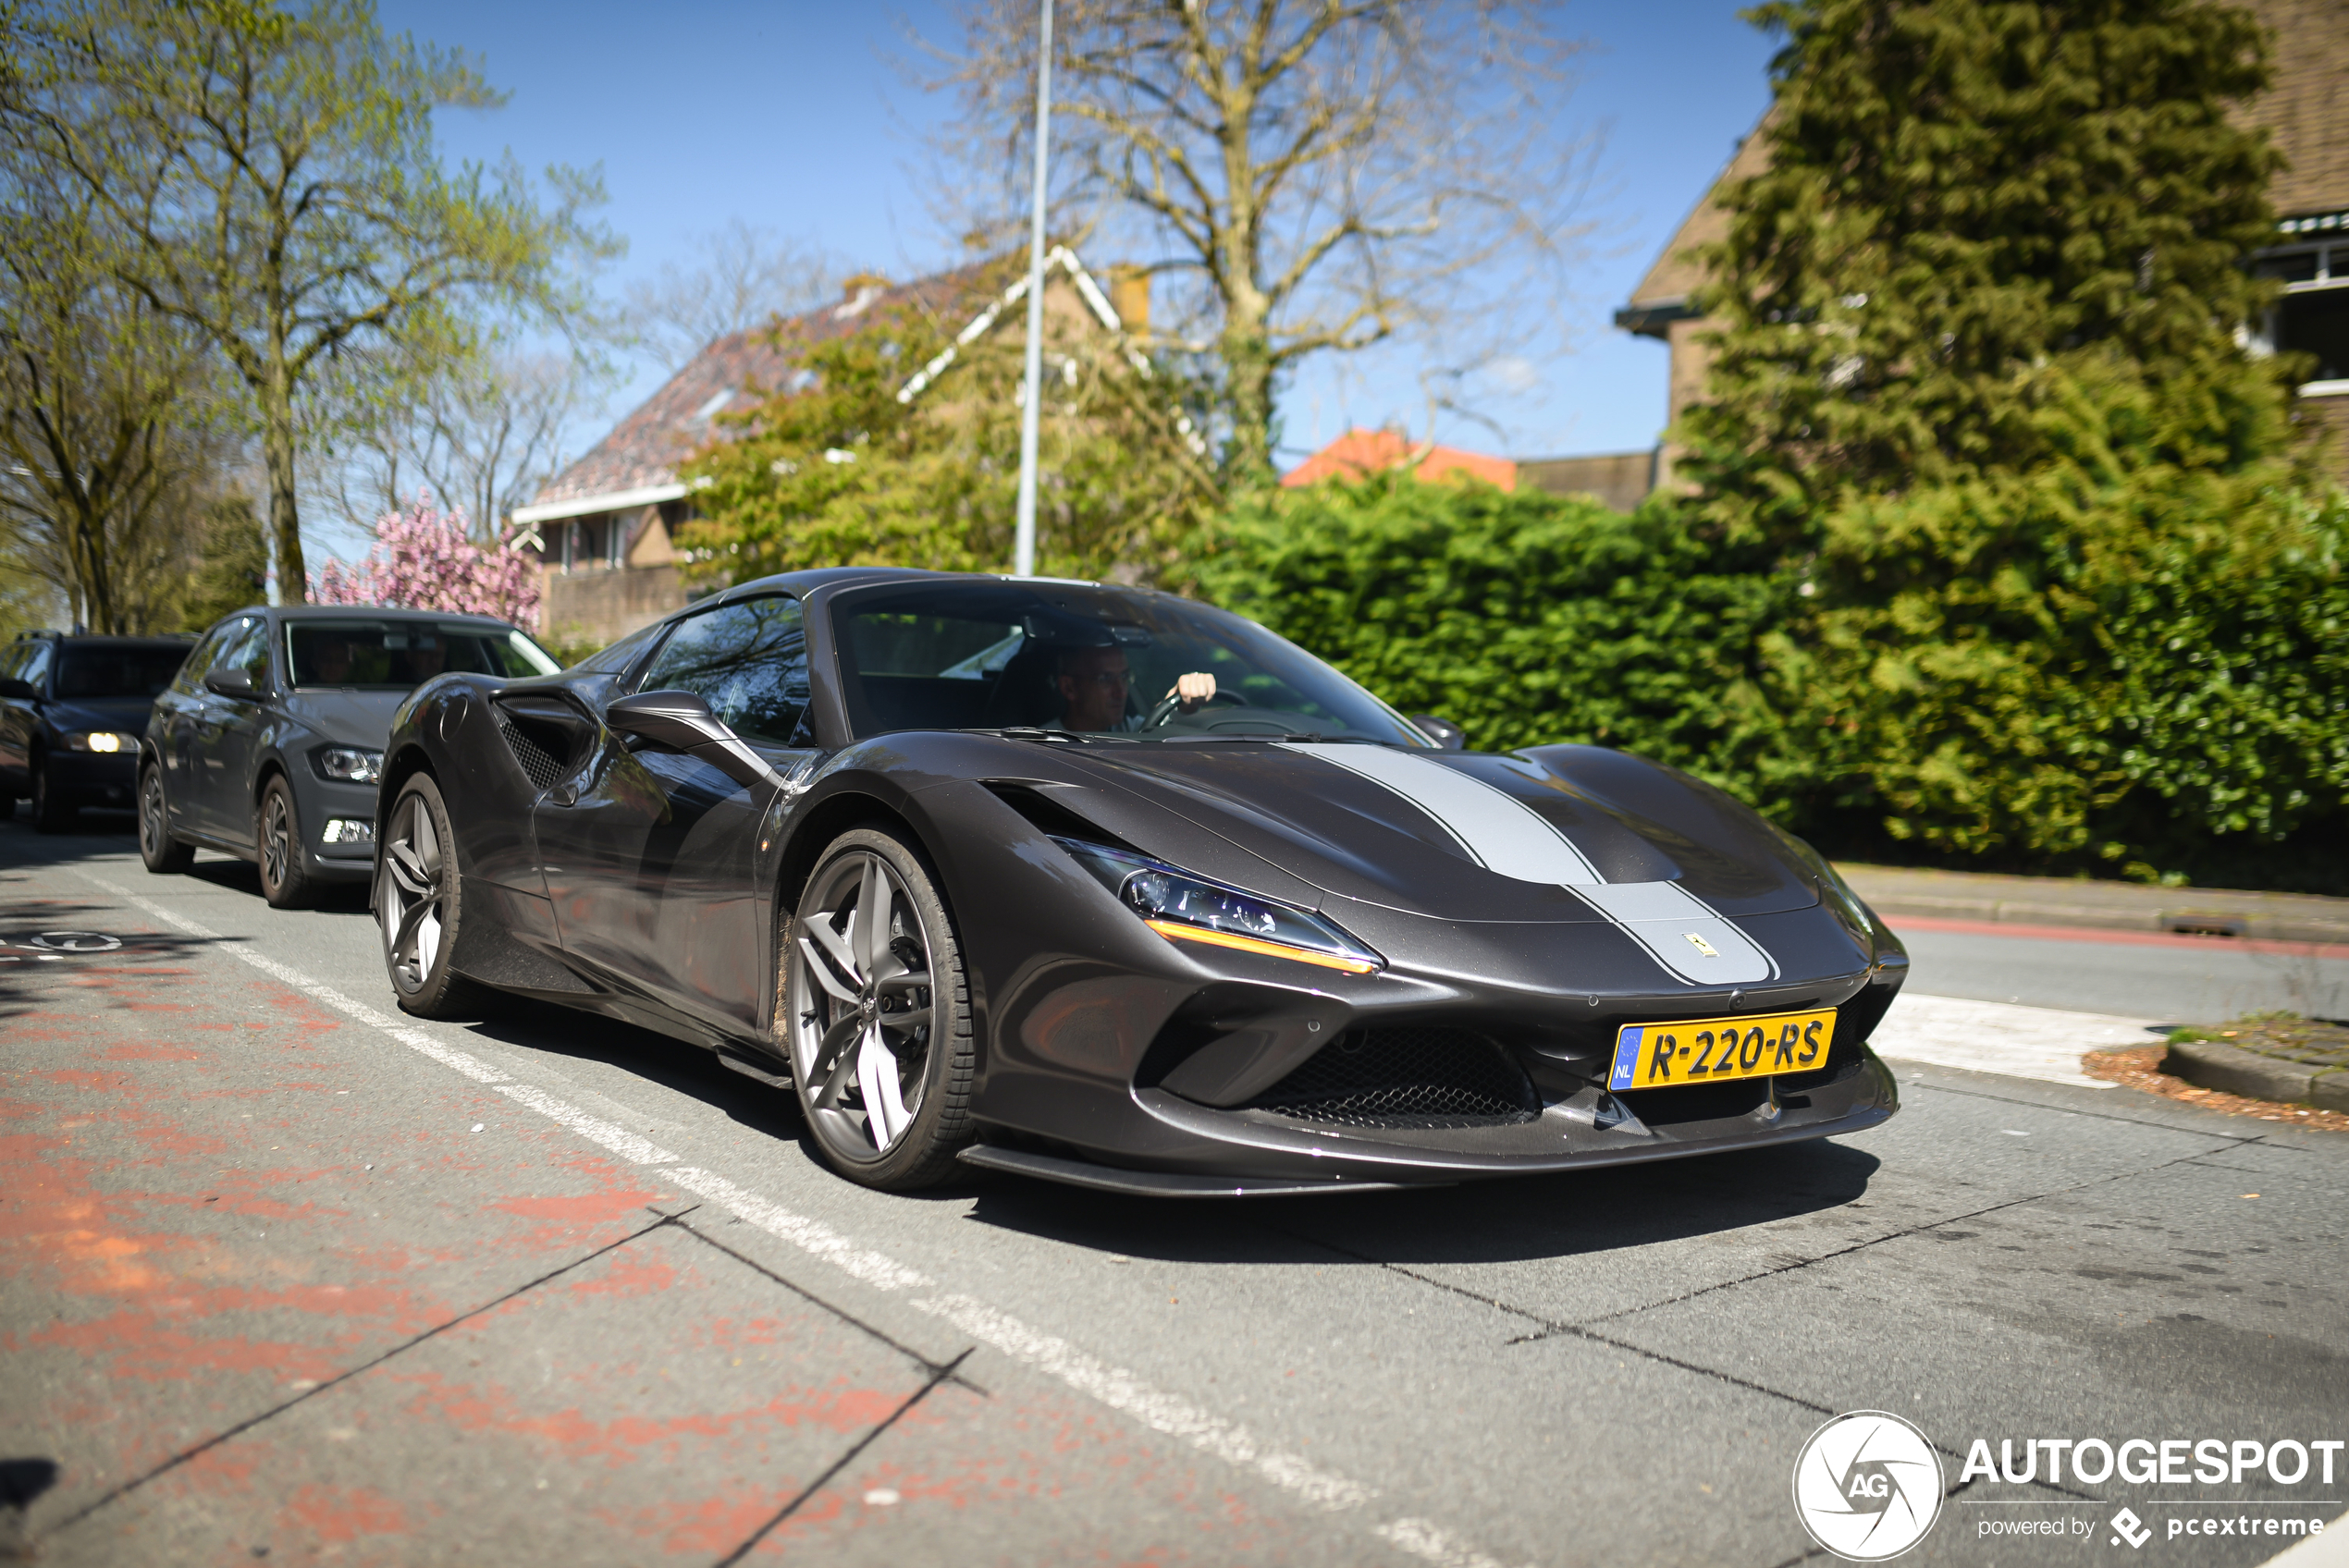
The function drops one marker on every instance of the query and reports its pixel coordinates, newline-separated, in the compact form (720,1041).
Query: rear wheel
(877,1015)
(164,855)
(52,813)
(419,903)
(284,878)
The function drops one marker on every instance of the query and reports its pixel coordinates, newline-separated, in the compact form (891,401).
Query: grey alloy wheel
(876,1018)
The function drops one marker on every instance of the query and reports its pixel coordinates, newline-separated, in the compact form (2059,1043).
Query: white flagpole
(1023,551)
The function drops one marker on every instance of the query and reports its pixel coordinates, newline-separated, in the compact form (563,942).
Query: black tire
(277,835)
(854,1012)
(420,905)
(51,812)
(163,854)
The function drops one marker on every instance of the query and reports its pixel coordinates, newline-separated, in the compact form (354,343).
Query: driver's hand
(1193,689)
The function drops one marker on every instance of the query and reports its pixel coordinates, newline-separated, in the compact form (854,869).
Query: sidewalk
(1897,893)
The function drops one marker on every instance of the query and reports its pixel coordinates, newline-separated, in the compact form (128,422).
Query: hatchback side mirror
(1443,732)
(681,721)
(20,690)
(230,683)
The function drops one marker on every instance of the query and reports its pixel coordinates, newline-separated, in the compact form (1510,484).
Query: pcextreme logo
(1867,1486)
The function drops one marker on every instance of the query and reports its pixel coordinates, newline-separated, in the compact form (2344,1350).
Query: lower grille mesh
(1424,1078)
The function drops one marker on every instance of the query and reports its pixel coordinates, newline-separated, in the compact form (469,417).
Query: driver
(1093,683)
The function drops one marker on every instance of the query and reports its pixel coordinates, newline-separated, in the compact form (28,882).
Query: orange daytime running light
(1175,931)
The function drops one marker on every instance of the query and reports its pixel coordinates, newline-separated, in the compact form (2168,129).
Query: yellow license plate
(1708,1050)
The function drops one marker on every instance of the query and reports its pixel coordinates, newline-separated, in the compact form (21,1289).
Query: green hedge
(2144,675)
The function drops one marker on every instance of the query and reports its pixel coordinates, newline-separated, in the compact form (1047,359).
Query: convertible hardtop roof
(803,582)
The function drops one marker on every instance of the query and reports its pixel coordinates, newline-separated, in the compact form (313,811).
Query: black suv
(71,711)
(269,744)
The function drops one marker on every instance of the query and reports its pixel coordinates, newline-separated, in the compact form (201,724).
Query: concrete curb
(1895,891)
(2216,1066)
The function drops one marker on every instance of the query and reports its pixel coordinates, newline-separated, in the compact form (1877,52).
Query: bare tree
(1313,176)
(742,276)
(483,433)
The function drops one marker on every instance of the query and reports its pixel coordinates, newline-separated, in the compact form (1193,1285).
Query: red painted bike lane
(272,1288)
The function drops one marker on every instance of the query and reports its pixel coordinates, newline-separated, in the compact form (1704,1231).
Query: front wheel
(877,1015)
(419,903)
(52,813)
(284,878)
(164,855)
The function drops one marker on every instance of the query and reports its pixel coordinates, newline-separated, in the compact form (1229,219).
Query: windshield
(394,655)
(117,672)
(1087,659)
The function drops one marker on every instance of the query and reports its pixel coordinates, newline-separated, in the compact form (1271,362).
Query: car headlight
(347,765)
(106,741)
(1183,907)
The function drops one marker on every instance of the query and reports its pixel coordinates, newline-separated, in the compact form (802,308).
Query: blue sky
(790,116)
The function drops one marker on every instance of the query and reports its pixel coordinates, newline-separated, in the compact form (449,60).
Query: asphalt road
(2176,979)
(288,1276)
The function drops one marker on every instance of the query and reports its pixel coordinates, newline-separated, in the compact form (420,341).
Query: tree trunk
(285,516)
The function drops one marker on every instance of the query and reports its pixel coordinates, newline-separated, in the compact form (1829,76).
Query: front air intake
(1405,1078)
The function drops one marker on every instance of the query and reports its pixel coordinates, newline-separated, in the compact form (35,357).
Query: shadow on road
(683,1068)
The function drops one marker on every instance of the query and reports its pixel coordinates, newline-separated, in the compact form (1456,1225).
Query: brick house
(603,529)
(2306,108)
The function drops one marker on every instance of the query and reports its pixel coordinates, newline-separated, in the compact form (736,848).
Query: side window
(748,661)
(250,652)
(36,668)
(12,659)
(200,657)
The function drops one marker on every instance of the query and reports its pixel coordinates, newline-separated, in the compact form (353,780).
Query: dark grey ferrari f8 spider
(1106,886)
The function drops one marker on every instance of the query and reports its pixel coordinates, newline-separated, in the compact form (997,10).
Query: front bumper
(1249,1151)
(108,778)
(321,802)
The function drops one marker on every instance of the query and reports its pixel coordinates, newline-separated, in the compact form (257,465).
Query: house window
(2313,316)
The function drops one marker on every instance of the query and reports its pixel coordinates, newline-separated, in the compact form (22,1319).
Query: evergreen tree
(1970,204)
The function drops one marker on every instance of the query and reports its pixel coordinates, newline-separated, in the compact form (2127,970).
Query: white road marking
(1120,1390)
(1112,1385)
(2021,1042)
(621,1142)
(812,1236)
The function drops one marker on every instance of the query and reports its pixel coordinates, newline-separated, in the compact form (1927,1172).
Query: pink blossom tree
(424,559)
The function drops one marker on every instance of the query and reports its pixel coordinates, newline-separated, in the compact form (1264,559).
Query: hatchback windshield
(393,655)
(1077,657)
(117,672)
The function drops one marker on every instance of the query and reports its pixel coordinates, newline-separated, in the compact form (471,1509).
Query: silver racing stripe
(1683,932)
(1680,931)
(1499,832)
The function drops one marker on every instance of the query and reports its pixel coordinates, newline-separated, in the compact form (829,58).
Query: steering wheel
(1169,705)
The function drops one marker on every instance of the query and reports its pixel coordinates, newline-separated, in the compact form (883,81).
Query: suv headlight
(347,765)
(1183,907)
(107,740)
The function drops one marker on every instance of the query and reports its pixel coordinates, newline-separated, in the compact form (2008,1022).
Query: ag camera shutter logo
(1867,1486)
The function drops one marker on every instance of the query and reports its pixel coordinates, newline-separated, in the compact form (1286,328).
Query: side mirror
(230,683)
(1443,732)
(20,690)
(681,721)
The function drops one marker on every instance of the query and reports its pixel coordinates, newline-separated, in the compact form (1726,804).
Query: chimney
(1129,295)
(858,292)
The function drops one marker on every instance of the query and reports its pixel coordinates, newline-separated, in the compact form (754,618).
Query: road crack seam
(2093,1115)
(184,1455)
(908,1352)
(938,1374)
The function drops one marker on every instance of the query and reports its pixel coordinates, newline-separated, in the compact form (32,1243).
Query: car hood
(1567,833)
(351,718)
(128,714)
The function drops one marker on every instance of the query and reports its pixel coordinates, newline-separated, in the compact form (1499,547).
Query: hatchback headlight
(1183,907)
(347,765)
(107,740)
